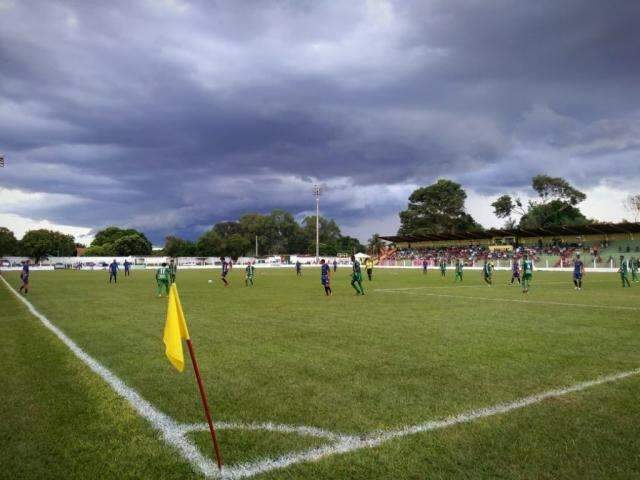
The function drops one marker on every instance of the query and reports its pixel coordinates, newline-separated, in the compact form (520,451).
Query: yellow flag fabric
(175,330)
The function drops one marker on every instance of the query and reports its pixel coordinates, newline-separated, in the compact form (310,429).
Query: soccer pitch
(419,378)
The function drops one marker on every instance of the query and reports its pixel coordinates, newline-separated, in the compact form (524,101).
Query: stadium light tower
(316,193)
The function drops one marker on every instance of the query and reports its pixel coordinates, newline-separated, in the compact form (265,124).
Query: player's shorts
(527,276)
(577,276)
(25,279)
(356,277)
(515,274)
(223,274)
(325,281)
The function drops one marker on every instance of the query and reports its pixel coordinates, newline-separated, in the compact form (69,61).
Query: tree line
(434,209)
(440,208)
(276,233)
(36,244)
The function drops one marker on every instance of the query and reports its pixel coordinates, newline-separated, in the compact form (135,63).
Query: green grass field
(415,348)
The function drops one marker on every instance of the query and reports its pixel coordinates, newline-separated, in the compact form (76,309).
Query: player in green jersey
(527,273)
(443,267)
(459,270)
(624,272)
(634,263)
(487,271)
(173,271)
(163,279)
(356,276)
(250,271)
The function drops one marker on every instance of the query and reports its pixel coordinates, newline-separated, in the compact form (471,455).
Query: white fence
(101,263)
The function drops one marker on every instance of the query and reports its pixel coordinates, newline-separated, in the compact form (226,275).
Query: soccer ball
(210,281)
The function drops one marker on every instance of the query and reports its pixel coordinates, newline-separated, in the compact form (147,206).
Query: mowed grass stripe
(59,420)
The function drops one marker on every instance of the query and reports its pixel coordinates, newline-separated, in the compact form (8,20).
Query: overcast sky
(170,115)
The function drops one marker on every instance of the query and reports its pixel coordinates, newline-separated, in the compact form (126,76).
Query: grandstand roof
(588,229)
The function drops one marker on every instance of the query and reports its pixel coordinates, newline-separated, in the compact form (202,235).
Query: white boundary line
(175,434)
(170,429)
(510,300)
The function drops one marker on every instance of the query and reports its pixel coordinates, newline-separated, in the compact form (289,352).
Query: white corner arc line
(351,444)
(301,430)
(169,428)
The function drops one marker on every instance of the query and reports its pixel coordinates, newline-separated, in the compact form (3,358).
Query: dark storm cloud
(170,115)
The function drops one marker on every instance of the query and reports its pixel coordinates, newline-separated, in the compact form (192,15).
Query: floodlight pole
(256,246)
(316,193)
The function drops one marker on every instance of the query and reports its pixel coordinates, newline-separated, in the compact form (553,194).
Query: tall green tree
(329,234)
(437,208)
(210,244)
(106,250)
(178,247)
(556,205)
(8,242)
(236,246)
(42,243)
(226,229)
(375,244)
(108,238)
(131,245)
(349,245)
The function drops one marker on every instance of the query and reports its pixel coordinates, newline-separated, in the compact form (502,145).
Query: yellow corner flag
(175,330)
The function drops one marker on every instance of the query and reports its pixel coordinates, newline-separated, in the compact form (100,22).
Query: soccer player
(173,271)
(368,263)
(226,266)
(24,277)
(527,273)
(356,276)
(425,264)
(113,271)
(578,272)
(249,273)
(635,264)
(127,268)
(443,267)
(298,268)
(459,270)
(515,271)
(325,277)
(624,272)
(163,278)
(335,266)
(487,272)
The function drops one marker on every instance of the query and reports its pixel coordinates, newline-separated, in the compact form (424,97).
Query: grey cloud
(172,115)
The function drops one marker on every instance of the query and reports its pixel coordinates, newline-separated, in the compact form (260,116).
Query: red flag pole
(205,404)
